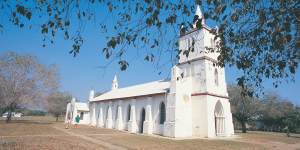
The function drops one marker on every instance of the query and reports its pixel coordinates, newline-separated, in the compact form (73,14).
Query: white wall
(203,38)
(86,117)
(139,103)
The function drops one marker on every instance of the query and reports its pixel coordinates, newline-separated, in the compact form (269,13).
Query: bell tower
(197,84)
(194,44)
(198,59)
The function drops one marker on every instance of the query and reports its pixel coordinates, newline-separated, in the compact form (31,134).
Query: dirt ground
(40,133)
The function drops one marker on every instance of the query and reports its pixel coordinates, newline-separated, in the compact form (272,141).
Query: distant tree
(271,111)
(278,114)
(57,103)
(24,81)
(261,38)
(244,108)
(292,121)
(33,112)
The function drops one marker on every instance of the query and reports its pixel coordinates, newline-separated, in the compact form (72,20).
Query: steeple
(198,15)
(114,84)
(73,100)
(92,95)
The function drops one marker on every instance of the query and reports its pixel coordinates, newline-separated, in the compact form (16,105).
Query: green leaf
(28,15)
(123,65)
(234,17)
(44,29)
(67,22)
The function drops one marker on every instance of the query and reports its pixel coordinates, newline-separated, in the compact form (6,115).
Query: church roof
(82,106)
(150,88)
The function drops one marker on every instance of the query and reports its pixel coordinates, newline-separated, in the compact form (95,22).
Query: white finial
(92,95)
(182,29)
(73,100)
(182,26)
(198,12)
(200,16)
(115,83)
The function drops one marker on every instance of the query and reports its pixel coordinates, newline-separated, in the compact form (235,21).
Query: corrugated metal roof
(150,88)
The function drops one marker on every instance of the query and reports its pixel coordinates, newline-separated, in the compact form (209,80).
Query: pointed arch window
(162,110)
(107,111)
(128,112)
(216,77)
(188,44)
(117,111)
(98,113)
(212,43)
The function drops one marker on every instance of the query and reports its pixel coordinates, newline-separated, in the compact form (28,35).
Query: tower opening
(216,77)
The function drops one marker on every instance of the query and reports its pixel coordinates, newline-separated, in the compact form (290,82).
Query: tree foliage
(57,102)
(245,109)
(269,113)
(259,37)
(24,81)
(278,114)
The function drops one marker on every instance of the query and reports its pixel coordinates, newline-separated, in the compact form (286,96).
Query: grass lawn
(44,133)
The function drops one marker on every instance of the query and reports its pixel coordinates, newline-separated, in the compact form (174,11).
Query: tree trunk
(288,132)
(244,129)
(10,109)
(56,118)
(8,118)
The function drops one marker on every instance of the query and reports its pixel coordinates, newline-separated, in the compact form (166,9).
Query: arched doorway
(143,116)
(219,119)
(81,115)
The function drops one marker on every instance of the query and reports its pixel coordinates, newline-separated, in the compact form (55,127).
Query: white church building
(193,103)
(77,108)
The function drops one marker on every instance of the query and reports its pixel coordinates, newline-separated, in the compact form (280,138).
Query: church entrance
(143,116)
(219,119)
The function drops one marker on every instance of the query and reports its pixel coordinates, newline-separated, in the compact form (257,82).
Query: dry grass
(133,141)
(271,136)
(35,133)
(46,143)
(43,133)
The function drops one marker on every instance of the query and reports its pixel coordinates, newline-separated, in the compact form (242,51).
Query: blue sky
(80,74)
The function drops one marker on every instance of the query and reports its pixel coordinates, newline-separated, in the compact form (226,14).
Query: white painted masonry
(75,108)
(193,103)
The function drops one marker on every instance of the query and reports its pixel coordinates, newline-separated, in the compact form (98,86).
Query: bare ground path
(93,140)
